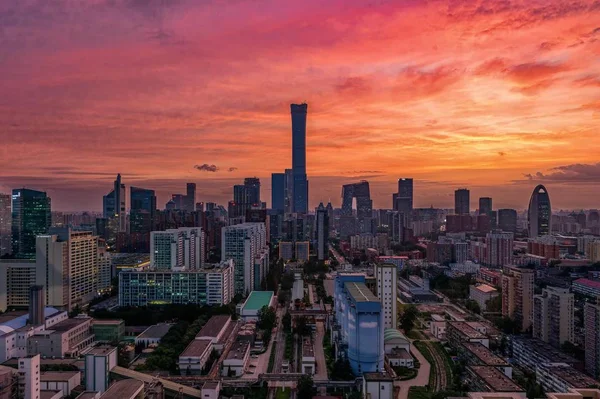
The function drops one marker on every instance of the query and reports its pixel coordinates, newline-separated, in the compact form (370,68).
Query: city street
(320,353)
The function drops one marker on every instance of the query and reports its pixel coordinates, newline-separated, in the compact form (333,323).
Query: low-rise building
(125,389)
(560,377)
(529,352)
(586,287)
(108,330)
(481,294)
(490,379)
(458,332)
(237,359)
(397,348)
(378,385)
(193,359)
(308,357)
(65,339)
(254,303)
(475,354)
(153,334)
(63,381)
(215,330)
(99,361)
(211,390)
(438,329)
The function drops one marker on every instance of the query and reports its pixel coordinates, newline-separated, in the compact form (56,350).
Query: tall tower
(485,205)
(190,197)
(404,198)
(299,112)
(539,216)
(386,275)
(5,223)
(462,201)
(553,316)
(143,210)
(322,221)
(278,191)
(31,217)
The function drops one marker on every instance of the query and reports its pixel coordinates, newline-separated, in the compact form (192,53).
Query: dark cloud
(206,168)
(501,153)
(232,169)
(574,173)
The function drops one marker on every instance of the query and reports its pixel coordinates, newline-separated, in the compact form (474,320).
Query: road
(280,337)
(341,260)
(420,380)
(320,353)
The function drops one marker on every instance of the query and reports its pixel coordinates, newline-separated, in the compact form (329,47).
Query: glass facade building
(31,217)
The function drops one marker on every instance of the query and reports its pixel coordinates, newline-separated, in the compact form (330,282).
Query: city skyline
(141,90)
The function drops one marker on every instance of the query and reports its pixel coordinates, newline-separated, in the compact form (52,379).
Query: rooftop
(392,333)
(400,353)
(196,348)
(47,394)
(543,349)
(123,389)
(495,379)
(308,349)
(258,299)
(58,375)
(588,283)
(465,329)
(571,376)
(211,385)
(214,326)
(114,322)
(485,288)
(486,356)
(101,350)
(69,324)
(88,395)
(377,377)
(156,331)
(360,292)
(238,349)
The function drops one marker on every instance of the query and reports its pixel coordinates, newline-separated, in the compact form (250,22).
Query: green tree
(407,320)
(302,326)
(266,318)
(494,305)
(306,389)
(342,371)
(473,306)
(287,321)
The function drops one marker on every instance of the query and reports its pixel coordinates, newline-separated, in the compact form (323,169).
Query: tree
(494,305)
(287,321)
(306,389)
(283,296)
(266,318)
(301,326)
(342,371)
(407,320)
(473,306)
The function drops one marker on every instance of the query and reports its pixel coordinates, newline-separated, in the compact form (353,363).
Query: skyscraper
(31,216)
(299,112)
(177,248)
(252,187)
(539,216)
(403,200)
(278,192)
(245,197)
(190,197)
(517,295)
(485,205)
(364,206)
(143,210)
(591,317)
(113,205)
(289,191)
(507,220)
(553,312)
(462,201)
(387,285)
(322,222)
(5,225)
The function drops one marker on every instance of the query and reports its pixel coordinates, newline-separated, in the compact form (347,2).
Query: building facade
(300,186)
(553,313)
(591,319)
(462,198)
(517,295)
(182,248)
(499,247)
(387,285)
(5,225)
(31,216)
(539,216)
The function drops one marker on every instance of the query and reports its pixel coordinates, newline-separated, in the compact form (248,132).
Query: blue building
(300,190)
(359,324)
(278,192)
(143,210)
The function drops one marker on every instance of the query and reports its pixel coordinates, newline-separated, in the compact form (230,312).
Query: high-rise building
(246,244)
(553,316)
(387,286)
(289,191)
(403,199)
(5,225)
(485,205)
(182,248)
(507,220)
(499,249)
(517,295)
(29,377)
(300,190)
(190,197)
(591,316)
(278,192)
(143,210)
(539,216)
(462,201)
(31,216)
(245,197)
(322,238)
(363,223)
(113,205)
(37,304)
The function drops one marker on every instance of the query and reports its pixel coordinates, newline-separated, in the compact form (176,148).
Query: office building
(481,294)
(539,216)
(143,211)
(245,197)
(386,275)
(31,216)
(363,222)
(108,331)
(105,269)
(246,244)
(211,285)
(113,206)
(300,186)
(190,197)
(485,205)
(5,225)
(286,250)
(591,320)
(182,248)
(358,320)
(16,276)
(507,220)
(517,295)
(462,201)
(278,192)
(553,313)
(499,247)
(29,377)
(403,199)
(322,240)
(302,251)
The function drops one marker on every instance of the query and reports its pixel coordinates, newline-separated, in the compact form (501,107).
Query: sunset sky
(496,96)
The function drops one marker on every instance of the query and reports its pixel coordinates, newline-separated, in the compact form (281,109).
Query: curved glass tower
(539,217)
